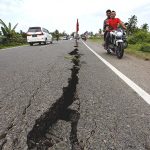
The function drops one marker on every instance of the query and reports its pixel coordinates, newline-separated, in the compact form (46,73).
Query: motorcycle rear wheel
(120,50)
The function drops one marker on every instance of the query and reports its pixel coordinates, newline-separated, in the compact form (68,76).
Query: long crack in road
(43,135)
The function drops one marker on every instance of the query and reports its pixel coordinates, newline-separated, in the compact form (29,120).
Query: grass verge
(135,51)
(97,40)
(9,46)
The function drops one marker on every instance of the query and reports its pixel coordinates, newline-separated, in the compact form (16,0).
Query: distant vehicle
(38,35)
(83,37)
(71,37)
(65,38)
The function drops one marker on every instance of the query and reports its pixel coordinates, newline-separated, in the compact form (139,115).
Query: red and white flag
(77,26)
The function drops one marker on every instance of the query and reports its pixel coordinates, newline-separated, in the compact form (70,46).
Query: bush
(16,39)
(2,39)
(140,36)
(145,47)
(147,40)
(132,40)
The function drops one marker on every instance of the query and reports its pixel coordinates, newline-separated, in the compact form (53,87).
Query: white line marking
(129,82)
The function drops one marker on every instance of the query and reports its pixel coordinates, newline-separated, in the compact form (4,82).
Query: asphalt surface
(138,70)
(62,97)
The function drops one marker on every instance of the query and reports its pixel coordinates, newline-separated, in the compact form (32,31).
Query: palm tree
(8,31)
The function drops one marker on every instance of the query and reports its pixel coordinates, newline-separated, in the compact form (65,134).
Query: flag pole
(76,38)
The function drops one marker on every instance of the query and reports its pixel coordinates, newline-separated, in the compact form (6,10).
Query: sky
(62,14)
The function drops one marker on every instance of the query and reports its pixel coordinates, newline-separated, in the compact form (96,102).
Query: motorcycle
(118,42)
(83,37)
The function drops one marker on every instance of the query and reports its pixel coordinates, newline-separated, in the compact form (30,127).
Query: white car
(38,35)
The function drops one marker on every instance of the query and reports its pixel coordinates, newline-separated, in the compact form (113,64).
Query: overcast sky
(62,14)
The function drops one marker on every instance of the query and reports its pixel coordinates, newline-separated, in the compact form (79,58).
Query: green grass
(2,46)
(135,50)
(97,40)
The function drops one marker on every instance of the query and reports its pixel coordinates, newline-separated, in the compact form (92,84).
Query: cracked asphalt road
(103,113)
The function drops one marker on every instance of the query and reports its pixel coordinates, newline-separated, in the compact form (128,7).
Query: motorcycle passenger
(108,14)
(111,26)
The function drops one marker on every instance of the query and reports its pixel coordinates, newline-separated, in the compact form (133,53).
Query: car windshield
(34,29)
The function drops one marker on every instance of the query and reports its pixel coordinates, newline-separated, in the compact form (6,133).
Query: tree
(64,33)
(145,27)
(8,31)
(132,25)
(72,34)
(100,31)
(91,33)
(56,34)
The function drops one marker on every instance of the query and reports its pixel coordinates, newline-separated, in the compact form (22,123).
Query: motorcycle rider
(108,14)
(111,26)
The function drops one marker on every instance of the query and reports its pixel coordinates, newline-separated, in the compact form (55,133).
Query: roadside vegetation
(97,39)
(9,37)
(58,35)
(138,39)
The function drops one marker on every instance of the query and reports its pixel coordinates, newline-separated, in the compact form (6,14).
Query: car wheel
(31,44)
(45,43)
